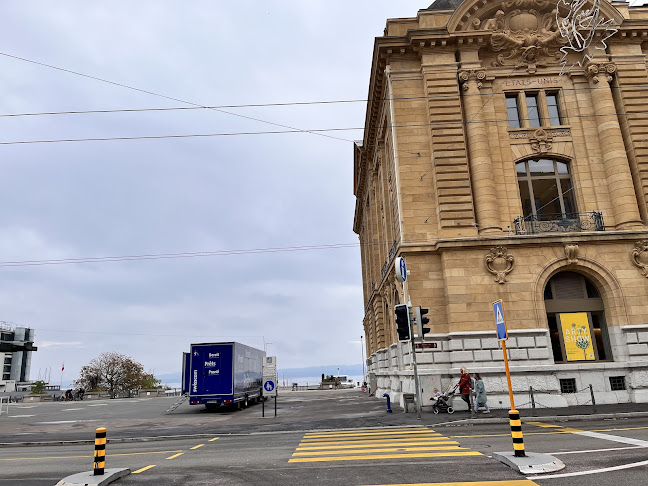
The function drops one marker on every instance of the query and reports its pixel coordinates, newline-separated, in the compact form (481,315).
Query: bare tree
(113,372)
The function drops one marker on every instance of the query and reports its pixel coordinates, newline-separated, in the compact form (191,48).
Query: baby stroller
(443,403)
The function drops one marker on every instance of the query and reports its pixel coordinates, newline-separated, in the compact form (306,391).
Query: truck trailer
(222,374)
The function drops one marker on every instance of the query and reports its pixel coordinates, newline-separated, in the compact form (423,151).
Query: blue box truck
(223,374)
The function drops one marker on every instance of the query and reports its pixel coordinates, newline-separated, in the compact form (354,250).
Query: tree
(115,373)
(38,387)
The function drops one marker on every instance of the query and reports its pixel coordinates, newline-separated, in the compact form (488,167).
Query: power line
(289,103)
(198,105)
(167,256)
(315,130)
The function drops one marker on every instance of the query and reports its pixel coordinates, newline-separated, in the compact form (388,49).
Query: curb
(453,423)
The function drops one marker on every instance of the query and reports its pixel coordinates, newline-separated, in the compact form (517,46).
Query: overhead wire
(152,93)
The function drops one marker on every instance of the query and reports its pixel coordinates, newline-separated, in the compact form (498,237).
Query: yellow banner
(577,337)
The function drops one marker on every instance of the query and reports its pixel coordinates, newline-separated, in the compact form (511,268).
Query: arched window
(545,190)
(576,317)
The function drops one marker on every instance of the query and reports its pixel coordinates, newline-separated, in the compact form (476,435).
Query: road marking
(65,422)
(596,450)
(212,440)
(196,447)
(21,416)
(388,449)
(144,469)
(378,444)
(23,406)
(593,471)
(613,438)
(431,440)
(98,405)
(370,445)
(80,457)
(175,455)
(515,482)
(368,434)
(386,456)
(540,424)
(71,409)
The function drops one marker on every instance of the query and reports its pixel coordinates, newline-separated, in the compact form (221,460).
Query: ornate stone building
(505,156)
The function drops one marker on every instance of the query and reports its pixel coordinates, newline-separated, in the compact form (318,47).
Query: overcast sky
(136,197)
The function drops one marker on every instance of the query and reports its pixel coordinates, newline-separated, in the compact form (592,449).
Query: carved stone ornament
(594,70)
(639,256)
(471,74)
(527,35)
(540,141)
(500,263)
(571,252)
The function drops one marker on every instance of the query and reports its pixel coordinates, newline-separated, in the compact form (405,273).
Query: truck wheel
(245,402)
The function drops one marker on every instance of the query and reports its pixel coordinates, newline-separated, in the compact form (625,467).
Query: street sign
(269,386)
(500,322)
(401,269)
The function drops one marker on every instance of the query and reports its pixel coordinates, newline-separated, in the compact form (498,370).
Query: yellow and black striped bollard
(516,433)
(100,452)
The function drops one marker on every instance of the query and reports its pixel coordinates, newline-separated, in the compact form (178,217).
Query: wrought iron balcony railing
(559,223)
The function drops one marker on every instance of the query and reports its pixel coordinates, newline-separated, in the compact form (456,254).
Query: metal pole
(593,399)
(262,406)
(532,399)
(275,405)
(416,377)
(508,375)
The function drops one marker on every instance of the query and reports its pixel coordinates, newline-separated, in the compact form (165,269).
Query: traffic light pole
(416,377)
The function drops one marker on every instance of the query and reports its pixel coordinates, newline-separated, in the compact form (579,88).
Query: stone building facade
(502,161)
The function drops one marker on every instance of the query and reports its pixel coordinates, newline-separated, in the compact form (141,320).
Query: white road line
(98,405)
(23,406)
(593,471)
(614,438)
(595,450)
(63,422)
(20,416)
(71,409)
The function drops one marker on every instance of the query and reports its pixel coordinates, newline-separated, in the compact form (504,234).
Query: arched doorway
(576,318)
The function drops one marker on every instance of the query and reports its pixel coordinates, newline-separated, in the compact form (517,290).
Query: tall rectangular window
(513,111)
(553,110)
(532,109)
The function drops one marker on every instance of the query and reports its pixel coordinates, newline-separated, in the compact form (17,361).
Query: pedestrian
(480,394)
(465,384)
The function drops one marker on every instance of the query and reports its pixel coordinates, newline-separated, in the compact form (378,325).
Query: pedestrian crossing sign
(500,322)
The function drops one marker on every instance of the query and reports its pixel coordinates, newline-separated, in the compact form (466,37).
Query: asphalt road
(453,450)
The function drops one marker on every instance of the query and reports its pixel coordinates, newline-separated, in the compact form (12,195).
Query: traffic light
(402,321)
(421,321)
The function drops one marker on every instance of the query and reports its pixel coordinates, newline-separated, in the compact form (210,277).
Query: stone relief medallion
(499,263)
(527,36)
(540,141)
(639,256)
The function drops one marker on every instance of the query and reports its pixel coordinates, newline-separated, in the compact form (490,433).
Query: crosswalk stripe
(362,431)
(369,434)
(385,456)
(377,444)
(388,449)
(382,437)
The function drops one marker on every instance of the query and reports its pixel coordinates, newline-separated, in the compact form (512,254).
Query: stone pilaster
(481,167)
(615,160)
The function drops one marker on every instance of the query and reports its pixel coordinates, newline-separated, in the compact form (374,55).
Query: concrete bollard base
(89,479)
(533,463)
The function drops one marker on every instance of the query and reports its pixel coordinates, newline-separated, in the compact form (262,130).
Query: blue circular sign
(268,386)
(401,269)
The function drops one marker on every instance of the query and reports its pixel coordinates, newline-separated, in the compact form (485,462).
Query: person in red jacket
(465,384)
